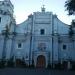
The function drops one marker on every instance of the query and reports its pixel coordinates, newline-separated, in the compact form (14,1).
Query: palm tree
(70,7)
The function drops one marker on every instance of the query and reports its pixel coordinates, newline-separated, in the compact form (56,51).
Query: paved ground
(23,71)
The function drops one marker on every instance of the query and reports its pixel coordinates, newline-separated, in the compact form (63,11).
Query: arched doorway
(41,61)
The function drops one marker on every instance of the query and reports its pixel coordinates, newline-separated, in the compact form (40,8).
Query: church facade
(42,38)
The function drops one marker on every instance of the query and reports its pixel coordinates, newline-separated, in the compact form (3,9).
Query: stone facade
(42,35)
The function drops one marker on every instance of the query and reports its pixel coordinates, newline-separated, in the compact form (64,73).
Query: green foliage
(2,64)
(6,31)
(70,7)
(73,23)
(20,63)
(71,31)
(10,62)
(14,33)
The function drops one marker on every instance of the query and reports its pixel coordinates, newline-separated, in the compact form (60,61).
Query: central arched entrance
(41,61)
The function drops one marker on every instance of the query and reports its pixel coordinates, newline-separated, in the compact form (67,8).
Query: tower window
(0,19)
(64,47)
(19,45)
(42,31)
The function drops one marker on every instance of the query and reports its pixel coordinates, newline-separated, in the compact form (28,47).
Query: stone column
(69,65)
(61,63)
(53,65)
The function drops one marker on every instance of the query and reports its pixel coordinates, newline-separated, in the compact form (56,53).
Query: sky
(22,8)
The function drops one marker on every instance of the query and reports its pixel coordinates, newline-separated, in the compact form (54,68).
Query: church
(40,40)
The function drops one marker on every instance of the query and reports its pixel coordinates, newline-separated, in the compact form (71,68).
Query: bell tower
(6,14)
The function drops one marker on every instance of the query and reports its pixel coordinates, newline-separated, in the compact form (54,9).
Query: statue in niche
(42,46)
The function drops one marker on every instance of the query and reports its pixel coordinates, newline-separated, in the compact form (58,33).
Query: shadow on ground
(26,71)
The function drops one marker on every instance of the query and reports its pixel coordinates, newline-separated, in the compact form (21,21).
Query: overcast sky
(22,8)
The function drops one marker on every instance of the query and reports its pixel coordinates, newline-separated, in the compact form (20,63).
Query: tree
(70,7)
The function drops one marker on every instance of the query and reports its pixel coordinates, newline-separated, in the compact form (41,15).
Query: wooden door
(41,62)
